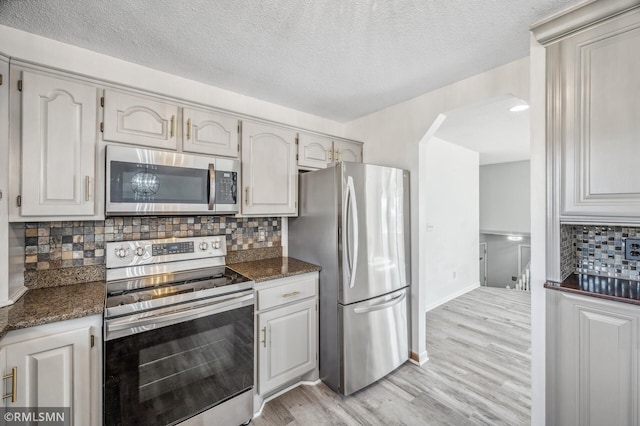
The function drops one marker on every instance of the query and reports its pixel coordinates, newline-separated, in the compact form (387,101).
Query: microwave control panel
(226,187)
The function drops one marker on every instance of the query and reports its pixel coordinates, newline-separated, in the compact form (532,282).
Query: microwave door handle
(212,186)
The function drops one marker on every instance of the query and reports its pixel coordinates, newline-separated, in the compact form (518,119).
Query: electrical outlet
(632,249)
(262,234)
(514,278)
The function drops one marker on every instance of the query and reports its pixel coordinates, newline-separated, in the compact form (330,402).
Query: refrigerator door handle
(352,210)
(383,305)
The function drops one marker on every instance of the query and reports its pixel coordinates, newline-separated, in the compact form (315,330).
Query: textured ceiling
(499,135)
(337,59)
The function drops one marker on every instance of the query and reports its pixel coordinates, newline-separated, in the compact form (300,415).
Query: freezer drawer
(375,339)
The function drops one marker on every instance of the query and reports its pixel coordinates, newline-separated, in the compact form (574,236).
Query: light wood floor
(478,373)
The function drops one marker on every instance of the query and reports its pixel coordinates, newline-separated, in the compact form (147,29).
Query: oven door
(142,181)
(174,365)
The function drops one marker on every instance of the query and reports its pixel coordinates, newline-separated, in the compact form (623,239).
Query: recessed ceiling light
(514,237)
(517,108)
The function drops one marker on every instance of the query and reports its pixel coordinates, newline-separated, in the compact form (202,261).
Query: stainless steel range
(178,333)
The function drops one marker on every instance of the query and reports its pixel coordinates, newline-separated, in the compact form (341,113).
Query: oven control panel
(172,248)
(150,252)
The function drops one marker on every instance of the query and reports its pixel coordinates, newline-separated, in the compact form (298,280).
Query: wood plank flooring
(478,373)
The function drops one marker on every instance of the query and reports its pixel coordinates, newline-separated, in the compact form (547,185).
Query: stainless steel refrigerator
(354,222)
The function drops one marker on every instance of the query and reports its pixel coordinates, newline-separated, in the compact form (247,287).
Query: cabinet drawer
(286,293)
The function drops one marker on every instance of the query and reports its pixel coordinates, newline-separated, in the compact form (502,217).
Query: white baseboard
(452,296)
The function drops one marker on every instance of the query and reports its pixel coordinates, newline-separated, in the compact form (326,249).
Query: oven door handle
(143,322)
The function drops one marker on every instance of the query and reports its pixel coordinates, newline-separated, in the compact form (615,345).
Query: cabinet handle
(246,196)
(331,155)
(337,155)
(293,293)
(86,188)
(173,125)
(14,384)
(189,129)
(264,336)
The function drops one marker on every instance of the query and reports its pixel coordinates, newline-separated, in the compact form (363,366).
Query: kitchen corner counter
(616,289)
(53,304)
(273,268)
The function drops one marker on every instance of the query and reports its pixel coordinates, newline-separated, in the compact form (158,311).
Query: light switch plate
(632,249)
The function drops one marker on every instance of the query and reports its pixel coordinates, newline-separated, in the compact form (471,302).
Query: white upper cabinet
(319,152)
(139,120)
(315,152)
(269,172)
(347,151)
(207,132)
(595,122)
(58,127)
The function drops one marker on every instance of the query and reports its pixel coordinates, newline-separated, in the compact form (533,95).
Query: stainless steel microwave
(149,182)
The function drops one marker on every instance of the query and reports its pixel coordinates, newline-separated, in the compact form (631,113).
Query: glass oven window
(166,375)
(149,183)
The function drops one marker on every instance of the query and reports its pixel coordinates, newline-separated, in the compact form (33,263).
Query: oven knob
(121,252)
(140,251)
(215,244)
(203,245)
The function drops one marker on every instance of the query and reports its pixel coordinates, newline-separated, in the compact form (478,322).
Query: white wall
(505,198)
(451,246)
(43,51)
(392,137)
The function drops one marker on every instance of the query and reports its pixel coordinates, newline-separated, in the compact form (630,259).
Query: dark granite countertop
(617,289)
(272,268)
(53,304)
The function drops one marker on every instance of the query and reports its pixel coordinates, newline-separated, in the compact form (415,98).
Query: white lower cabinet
(287,331)
(593,361)
(56,365)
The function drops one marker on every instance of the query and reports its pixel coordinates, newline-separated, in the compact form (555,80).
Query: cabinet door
(54,371)
(269,172)
(596,73)
(139,120)
(314,152)
(286,344)
(206,132)
(58,146)
(4,181)
(347,151)
(596,355)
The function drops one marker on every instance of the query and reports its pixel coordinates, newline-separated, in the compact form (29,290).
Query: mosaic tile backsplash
(55,245)
(599,250)
(568,259)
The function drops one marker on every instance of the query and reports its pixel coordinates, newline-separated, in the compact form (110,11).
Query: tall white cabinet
(593,104)
(57,140)
(269,170)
